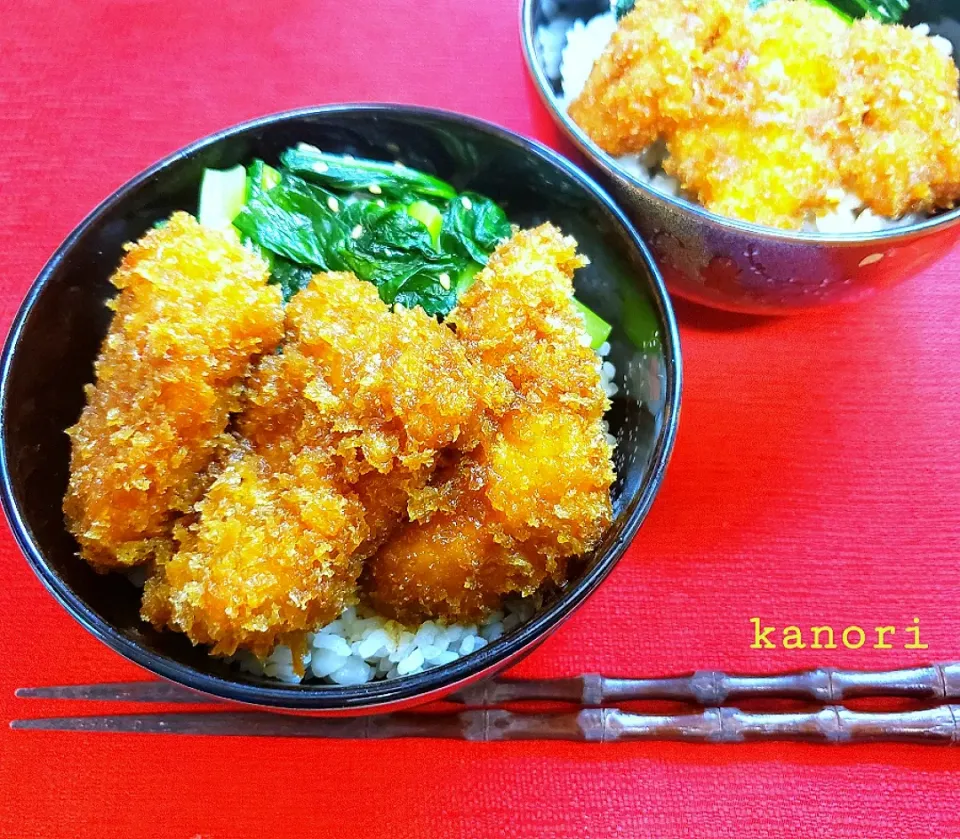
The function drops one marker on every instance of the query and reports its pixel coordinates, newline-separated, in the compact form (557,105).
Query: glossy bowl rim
(371,696)
(606,163)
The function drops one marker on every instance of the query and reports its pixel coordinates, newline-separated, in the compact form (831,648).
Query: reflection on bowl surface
(49,358)
(734,265)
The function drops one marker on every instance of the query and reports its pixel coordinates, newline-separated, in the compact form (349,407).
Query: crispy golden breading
(647,80)
(769,115)
(904,116)
(517,320)
(272,556)
(536,491)
(548,478)
(385,389)
(453,561)
(339,430)
(760,147)
(194,308)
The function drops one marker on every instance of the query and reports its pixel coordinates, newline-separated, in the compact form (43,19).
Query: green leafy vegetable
(639,320)
(261,177)
(288,275)
(222,193)
(284,273)
(886,11)
(412,236)
(306,229)
(622,7)
(429,216)
(294,219)
(597,328)
(348,174)
(387,232)
(473,226)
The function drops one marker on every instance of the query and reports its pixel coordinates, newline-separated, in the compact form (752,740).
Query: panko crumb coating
(194,309)
(384,389)
(451,561)
(772,115)
(537,489)
(272,556)
(340,429)
(905,122)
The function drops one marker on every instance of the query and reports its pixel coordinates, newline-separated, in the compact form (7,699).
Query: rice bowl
(568,48)
(343,419)
(41,383)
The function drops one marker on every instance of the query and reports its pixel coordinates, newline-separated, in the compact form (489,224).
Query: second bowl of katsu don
(338,410)
(777,155)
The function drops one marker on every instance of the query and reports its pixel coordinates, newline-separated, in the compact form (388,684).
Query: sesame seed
(381,203)
(333,204)
(357,232)
(444,279)
(466,203)
(320,166)
(348,157)
(375,189)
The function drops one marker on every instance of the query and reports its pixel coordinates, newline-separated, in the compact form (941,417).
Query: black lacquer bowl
(734,265)
(50,352)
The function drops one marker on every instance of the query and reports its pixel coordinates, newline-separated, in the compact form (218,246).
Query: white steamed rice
(362,646)
(568,50)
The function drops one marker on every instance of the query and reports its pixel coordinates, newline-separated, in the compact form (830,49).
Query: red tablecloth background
(815,480)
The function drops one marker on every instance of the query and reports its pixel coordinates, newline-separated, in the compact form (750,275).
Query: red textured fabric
(815,480)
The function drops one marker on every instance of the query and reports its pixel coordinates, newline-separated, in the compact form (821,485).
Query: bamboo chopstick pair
(595,721)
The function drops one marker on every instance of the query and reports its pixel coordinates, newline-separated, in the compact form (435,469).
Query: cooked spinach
(294,219)
(289,276)
(410,234)
(622,7)
(348,174)
(306,228)
(473,226)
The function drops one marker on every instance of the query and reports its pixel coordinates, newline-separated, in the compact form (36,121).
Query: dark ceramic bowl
(50,351)
(729,264)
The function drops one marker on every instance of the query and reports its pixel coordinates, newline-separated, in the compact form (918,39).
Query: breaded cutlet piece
(339,430)
(758,143)
(646,80)
(382,388)
(518,321)
(536,490)
(194,309)
(452,561)
(271,556)
(904,116)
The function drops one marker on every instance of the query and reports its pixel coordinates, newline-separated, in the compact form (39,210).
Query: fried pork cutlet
(339,430)
(272,556)
(382,388)
(771,115)
(904,117)
(536,490)
(647,81)
(450,561)
(194,309)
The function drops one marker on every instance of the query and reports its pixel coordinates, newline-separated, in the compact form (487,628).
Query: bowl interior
(50,354)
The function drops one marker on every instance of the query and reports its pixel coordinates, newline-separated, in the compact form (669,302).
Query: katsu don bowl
(793,161)
(338,410)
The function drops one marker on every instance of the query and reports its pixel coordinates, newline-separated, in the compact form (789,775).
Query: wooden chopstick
(119,692)
(935,682)
(828,725)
